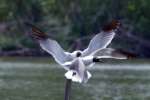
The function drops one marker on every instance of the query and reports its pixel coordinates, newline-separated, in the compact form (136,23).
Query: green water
(36,80)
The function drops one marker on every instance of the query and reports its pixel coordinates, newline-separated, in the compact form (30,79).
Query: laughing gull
(77,62)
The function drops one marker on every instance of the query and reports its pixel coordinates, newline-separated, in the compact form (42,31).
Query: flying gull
(77,62)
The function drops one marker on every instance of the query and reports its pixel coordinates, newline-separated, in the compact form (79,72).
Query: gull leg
(67,89)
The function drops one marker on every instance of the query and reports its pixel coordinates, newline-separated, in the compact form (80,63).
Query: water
(23,80)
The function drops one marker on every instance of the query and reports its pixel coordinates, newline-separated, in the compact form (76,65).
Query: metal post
(67,89)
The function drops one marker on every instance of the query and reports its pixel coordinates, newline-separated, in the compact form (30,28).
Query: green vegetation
(75,19)
(30,80)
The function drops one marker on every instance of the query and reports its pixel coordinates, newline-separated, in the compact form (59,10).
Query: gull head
(77,53)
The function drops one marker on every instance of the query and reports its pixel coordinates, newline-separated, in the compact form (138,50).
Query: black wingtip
(36,32)
(127,53)
(114,24)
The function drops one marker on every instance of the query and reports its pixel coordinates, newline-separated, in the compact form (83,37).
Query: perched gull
(77,62)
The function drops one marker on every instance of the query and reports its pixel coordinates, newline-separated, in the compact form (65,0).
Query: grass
(39,81)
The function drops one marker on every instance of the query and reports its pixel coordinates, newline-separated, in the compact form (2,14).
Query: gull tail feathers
(75,77)
(71,74)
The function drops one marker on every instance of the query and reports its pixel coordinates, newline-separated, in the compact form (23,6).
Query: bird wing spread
(50,46)
(109,53)
(100,41)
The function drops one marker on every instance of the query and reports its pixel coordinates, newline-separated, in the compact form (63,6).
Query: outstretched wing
(50,46)
(109,53)
(102,39)
(99,41)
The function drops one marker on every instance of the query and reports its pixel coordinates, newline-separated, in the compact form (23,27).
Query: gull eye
(78,54)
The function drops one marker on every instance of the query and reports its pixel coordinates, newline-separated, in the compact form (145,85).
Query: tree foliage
(77,19)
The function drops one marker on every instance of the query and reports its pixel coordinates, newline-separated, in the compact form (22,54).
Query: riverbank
(38,81)
(49,59)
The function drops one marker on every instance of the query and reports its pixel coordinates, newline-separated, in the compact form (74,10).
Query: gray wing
(53,48)
(109,53)
(100,41)
(50,46)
